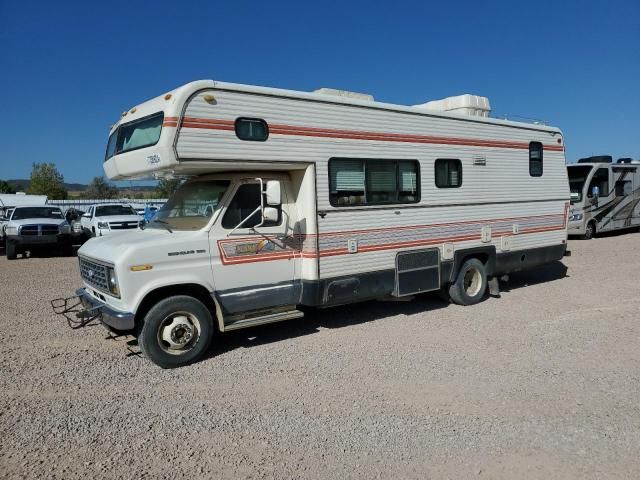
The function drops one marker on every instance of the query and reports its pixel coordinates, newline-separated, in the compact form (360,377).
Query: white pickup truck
(33,227)
(103,219)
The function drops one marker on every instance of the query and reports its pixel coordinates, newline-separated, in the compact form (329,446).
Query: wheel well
(486,255)
(190,289)
(592,222)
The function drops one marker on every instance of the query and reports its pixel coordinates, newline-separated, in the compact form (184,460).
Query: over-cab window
(535,159)
(140,133)
(252,129)
(369,181)
(448,173)
(245,201)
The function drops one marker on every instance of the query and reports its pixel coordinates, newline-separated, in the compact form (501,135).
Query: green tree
(167,186)
(5,187)
(47,180)
(100,188)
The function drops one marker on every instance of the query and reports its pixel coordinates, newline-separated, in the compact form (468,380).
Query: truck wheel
(470,284)
(589,231)
(176,331)
(10,250)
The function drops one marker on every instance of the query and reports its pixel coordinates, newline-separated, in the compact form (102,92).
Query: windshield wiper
(163,223)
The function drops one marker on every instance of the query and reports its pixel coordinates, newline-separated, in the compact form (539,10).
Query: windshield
(577,178)
(36,212)
(110,210)
(192,205)
(140,133)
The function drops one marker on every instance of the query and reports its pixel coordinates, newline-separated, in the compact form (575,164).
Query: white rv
(605,196)
(316,199)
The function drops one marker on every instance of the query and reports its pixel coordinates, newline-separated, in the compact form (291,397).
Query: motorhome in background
(605,196)
(316,199)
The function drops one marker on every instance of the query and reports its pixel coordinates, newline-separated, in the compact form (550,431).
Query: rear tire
(470,284)
(10,250)
(176,331)
(589,231)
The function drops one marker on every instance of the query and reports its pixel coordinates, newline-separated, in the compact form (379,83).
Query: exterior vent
(466,104)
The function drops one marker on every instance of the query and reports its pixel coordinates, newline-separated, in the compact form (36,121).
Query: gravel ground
(541,383)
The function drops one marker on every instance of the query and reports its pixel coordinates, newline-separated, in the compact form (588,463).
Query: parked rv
(105,218)
(605,196)
(33,227)
(317,199)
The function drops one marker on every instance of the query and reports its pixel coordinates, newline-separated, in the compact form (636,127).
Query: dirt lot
(541,383)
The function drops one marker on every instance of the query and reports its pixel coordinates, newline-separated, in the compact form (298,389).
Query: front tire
(176,331)
(470,284)
(589,231)
(10,250)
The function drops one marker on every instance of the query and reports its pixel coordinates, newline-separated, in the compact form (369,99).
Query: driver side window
(245,201)
(601,180)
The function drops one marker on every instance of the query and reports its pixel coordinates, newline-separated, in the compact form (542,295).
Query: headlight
(576,217)
(112,280)
(103,225)
(11,230)
(77,227)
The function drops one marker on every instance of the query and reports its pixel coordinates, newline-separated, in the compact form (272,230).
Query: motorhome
(296,199)
(605,196)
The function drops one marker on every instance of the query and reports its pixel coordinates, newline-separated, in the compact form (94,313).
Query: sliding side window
(359,181)
(535,159)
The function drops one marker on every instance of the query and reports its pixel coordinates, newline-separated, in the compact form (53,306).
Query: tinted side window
(535,159)
(448,172)
(601,180)
(245,201)
(623,188)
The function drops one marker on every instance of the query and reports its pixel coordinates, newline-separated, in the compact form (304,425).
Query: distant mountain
(22,185)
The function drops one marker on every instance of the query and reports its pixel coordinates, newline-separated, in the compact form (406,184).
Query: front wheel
(176,331)
(589,231)
(10,250)
(470,284)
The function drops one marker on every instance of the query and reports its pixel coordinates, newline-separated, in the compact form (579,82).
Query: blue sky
(67,69)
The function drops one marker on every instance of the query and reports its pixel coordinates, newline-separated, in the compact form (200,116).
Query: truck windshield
(192,205)
(110,210)
(577,177)
(140,133)
(36,212)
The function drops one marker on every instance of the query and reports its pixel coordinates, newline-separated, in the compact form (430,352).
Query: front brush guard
(76,314)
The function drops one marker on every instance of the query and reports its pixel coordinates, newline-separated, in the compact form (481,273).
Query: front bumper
(113,318)
(36,240)
(576,228)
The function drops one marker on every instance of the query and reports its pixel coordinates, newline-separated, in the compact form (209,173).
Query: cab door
(254,265)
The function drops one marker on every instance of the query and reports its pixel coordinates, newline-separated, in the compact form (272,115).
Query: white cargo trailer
(297,199)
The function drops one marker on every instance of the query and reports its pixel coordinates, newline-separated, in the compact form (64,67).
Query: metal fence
(84,204)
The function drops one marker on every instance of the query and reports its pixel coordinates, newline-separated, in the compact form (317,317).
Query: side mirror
(595,191)
(269,214)
(273,193)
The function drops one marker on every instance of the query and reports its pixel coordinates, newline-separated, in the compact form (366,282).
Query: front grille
(95,274)
(38,230)
(122,225)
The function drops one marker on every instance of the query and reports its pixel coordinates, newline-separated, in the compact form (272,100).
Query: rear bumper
(113,318)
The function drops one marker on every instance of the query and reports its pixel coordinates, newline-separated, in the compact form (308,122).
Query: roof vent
(344,94)
(625,160)
(466,104)
(597,159)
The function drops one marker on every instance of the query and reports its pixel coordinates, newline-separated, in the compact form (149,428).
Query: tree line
(47,180)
